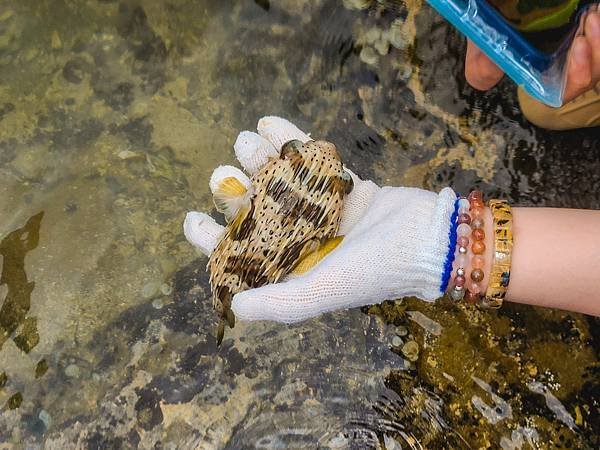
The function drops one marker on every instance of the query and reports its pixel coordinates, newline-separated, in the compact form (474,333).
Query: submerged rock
(72,371)
(151,289)
(44,416)
(411,351)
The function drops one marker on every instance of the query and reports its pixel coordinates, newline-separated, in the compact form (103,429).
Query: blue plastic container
(542,75)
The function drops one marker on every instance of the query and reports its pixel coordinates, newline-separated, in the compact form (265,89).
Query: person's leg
(581,112)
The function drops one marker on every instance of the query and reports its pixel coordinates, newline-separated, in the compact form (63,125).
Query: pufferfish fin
(306,249)
(313,258)
(231,197)
(282,267)
(239,221)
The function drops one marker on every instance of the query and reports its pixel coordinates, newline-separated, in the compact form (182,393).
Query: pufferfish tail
(232,192)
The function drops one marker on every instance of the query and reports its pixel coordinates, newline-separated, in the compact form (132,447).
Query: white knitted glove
(396,243)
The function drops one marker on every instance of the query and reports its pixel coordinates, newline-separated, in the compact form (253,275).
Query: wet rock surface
(112,117)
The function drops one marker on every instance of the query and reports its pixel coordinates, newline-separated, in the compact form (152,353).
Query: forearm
(555,258)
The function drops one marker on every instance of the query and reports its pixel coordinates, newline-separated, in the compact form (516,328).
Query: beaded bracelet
(476,275)
(503,242)
(463,231)
(470,229)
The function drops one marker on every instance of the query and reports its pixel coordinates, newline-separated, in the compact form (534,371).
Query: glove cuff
(436,256)
(443,242)
(404,243)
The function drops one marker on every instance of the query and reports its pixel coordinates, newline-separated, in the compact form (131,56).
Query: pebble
(405,72)
(150,290)
(396,35)
(411,350)
(382,47)
(158,303)
(368,55)
(401,330)
(128,154)
(373,35)
(72,371)
(397,341)
(44,416)
(166,289)
(531,369)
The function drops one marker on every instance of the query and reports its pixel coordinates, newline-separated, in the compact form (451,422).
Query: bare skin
(555,259)
(556,254)
(584,62)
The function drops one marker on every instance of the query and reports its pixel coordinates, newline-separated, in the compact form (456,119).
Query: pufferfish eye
(349,182)
(290,148)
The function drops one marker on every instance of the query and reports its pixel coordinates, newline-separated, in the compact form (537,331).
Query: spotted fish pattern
(297,204)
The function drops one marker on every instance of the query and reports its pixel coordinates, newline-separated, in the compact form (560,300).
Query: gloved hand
(396,242)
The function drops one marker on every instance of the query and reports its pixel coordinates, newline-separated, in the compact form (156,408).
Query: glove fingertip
(202,231)
(253,151)
(246,307)
(223,172)
(264,303)
(278,131)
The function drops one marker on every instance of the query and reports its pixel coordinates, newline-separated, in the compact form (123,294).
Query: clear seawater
(113,115)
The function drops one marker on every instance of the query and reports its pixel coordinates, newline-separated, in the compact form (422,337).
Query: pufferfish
(293,208)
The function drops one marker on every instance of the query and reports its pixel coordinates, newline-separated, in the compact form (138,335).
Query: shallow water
(112,116)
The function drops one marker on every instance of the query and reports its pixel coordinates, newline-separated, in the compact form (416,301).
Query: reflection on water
(113,115)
